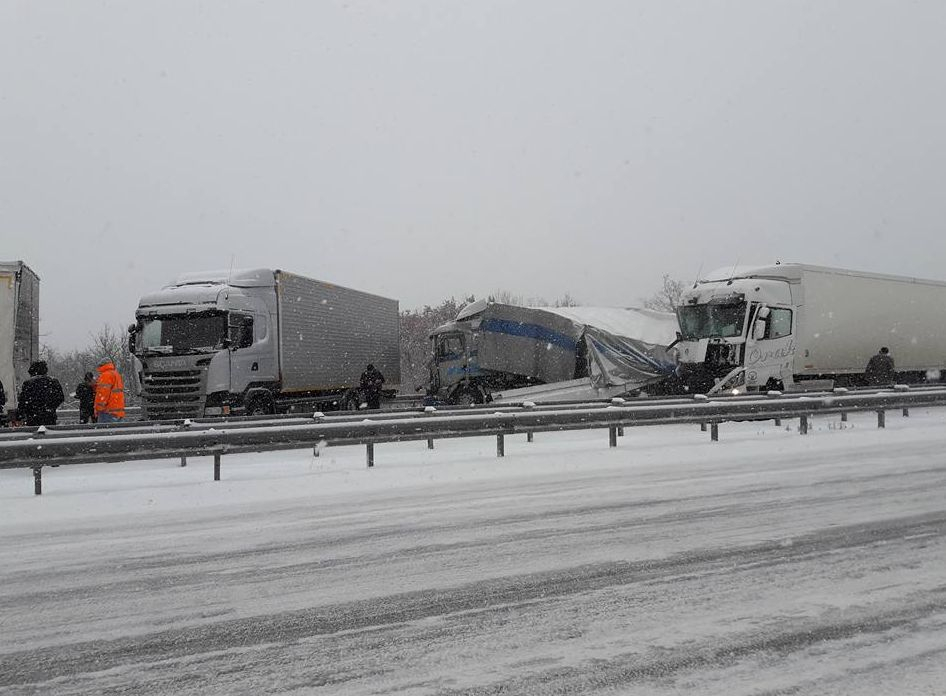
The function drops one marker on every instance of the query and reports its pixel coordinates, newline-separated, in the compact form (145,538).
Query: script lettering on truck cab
(758,356)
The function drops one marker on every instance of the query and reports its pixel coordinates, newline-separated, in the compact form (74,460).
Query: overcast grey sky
(426,149)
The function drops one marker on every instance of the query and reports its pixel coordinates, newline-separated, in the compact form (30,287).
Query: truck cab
(203,340)
(736,334)
(453,369)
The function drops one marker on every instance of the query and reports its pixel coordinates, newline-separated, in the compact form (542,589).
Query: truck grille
(173,394)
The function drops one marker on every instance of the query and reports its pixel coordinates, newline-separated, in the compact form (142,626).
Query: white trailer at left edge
(19,325)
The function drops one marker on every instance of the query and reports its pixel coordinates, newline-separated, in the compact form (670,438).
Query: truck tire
(468,396)
(351,401)
(259,406)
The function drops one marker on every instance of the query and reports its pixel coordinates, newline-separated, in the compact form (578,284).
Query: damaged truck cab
(736,333)
(493,347)
(796,326)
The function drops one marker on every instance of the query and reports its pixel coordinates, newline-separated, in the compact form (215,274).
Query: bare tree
(511,298)
(107,343)
(667,299)
(111,344)
(507,297)
(566,300)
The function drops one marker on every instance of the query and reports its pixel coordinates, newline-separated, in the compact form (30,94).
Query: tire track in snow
(34,667)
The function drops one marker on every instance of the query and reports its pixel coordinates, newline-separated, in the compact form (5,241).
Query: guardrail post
(702,427)
(803,425)
(714,432)
(528,405)
(429,411)
(881,419)
(41,432)
(612,436)
(216,466)
(906,413)
(317,417)
(184,426)
(774,394)
(369,454)
(38,480)
(618,401)
(844,417)
(500,445)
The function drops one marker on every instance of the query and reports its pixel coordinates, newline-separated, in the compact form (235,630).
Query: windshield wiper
(158,350)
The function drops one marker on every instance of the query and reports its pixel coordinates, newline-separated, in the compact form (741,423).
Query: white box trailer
(778,326)
(19,325)
(260,341)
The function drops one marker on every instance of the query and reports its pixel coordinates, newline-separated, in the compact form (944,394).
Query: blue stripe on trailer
(533,331)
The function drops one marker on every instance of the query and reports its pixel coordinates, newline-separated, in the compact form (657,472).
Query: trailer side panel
(845,317)
(329,333)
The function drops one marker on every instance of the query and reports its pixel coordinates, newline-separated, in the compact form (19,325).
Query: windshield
(183,333)
(711,320)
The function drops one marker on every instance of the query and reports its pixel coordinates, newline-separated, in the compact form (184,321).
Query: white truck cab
(775,327)
(737,332)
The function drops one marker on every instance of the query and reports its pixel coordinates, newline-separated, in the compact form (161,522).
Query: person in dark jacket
(880,368)
(85,393)
(371,382)
(40,396)
(3,402)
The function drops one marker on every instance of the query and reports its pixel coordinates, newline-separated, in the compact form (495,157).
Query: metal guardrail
(182,441)
(129,425)
(71,415)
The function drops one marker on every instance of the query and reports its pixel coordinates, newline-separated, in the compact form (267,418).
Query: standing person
(85,393)
(3,402)
(109,394)
(880,368)
(371,382)
(40,396)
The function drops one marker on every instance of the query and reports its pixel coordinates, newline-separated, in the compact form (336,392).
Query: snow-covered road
(766,563)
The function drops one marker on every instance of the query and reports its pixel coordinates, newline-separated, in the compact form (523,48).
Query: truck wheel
(468,396)
(259,406)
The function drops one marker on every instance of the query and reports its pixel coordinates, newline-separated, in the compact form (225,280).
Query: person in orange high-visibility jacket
(109,394)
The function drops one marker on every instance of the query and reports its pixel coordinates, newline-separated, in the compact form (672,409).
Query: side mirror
(132,335)
(763,312)
(758,331)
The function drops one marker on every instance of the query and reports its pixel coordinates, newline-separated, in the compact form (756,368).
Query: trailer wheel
(351,401)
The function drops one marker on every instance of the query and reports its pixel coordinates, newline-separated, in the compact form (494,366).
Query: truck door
(251,357)
(769,360)
(450,358)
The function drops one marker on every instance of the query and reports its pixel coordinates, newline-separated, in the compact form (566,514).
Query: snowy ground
(766,563)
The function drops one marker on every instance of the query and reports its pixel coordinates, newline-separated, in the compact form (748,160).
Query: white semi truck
(19,326)
(780,326)
(259,341)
